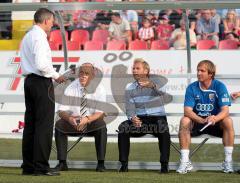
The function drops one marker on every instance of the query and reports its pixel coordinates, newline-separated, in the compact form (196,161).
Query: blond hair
(144,63)
(211,68)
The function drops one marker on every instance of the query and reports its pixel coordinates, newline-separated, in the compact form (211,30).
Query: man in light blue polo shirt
(208,27)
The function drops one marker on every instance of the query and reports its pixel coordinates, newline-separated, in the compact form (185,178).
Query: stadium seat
(160,45)
(116,45)
(73,45)
(53,45)
(228,45)
(138,45)
(56,37)
(205,44)
(100,35)
(93,45)
(80,36)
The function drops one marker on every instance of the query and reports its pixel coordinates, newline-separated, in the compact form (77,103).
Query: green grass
(85,151)
(13,175)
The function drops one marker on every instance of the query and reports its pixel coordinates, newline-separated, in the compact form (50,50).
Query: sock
(62,161)
(124,163)
(228,153)
(185,155)
(101,162)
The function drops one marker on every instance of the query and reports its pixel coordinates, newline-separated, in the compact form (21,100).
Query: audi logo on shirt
(204,107)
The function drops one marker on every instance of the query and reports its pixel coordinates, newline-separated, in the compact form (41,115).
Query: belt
(32,75)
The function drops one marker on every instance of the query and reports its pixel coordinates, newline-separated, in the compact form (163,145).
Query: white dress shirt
(36,55)
(76,90)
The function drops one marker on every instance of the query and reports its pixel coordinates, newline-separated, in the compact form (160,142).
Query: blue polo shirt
(207,102)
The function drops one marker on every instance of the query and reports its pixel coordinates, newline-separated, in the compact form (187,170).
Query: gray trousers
(97,129)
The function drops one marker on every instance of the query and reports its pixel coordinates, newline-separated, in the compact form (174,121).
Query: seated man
(83,119)
(206,102)
(208,27)
(146,115)
(119,28)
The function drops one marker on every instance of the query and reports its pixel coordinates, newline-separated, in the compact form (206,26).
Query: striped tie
(83,108)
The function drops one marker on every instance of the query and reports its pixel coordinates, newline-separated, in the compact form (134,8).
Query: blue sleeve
(216,26)
(223,96)
(189,98)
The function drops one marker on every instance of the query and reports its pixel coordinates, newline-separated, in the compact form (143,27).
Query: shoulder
(218,84)
(130,86)
(101,89)
(72,87)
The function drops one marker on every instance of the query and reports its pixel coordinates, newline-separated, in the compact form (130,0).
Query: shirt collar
(37,27)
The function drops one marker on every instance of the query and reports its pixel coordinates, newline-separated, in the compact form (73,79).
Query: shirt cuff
(55,75)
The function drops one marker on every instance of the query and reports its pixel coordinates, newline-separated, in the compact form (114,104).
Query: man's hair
(144,63)
(116,14)
(42,14)
(88,67)
(211,68)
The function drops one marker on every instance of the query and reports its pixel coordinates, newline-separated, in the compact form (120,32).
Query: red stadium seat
(138,45)
(80,36)
(73,45)
(53,45)
(93,45)
(160,45)
(100,35)
(205,44)
(55,36)
(116,45)
(228,45)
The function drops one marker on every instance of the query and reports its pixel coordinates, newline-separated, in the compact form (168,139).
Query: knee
(227,123)
(185,124)
(123,127)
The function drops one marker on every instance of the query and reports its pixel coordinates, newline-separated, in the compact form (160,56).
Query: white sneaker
(227,167)
(184,167)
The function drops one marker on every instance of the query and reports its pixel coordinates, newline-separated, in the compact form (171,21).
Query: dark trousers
(155,125)
(39,120)
(63,129)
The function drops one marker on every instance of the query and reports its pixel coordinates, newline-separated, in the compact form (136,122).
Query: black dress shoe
(62,166)
(100,168)
(123,168)
(164,168)
(47,173)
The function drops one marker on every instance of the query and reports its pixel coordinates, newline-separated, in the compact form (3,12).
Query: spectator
(146,33)
(132,17)
(83,19)
(231,23)
(207,27)
(164,29)
(119,29)
(102,20)
(178,37)
(175,18)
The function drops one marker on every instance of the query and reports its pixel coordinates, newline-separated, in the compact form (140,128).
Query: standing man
(146,115)
(36,65)
(83,119)
(206,102)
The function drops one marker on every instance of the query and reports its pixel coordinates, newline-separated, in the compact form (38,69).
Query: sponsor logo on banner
(58,64)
